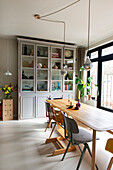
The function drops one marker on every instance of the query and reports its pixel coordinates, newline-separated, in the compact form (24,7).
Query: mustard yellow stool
(109,147)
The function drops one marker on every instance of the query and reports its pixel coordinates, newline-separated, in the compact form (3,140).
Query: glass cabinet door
(69,62)
(27,63)
(56,65)
(42,68)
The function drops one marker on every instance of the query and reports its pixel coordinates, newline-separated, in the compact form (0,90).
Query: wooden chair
(57,117)
(109,147)
(49,114)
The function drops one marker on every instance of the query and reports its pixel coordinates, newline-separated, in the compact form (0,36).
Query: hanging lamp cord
(88,24)
(41,18)
(60,9)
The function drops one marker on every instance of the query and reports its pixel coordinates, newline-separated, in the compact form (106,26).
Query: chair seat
(83,136)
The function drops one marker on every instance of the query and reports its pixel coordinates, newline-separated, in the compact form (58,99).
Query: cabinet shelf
(27,79)
(28,56)
(42,57)
(56,80)
(56,58)
(41,80)
(69,80)
(42,68)
(70,59)
(56,69)
(30,68)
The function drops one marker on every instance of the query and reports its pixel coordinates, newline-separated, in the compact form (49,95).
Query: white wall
(8,58)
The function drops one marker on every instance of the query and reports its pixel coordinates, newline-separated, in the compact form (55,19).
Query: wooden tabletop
(94,118)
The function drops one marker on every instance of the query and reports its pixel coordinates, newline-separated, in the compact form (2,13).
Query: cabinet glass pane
(42,85)
(27,49)
(27,85)
(56,52)
(42,74)
(69,75)
(68,85)
(27,73)
(42,63)
(56,86)
(69,64)
(27,62)
(42,51)
(56,64)
(69,54)
(56,75)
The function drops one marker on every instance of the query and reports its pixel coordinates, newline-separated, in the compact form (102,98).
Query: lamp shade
(8,73)
(87,64)
(63,71)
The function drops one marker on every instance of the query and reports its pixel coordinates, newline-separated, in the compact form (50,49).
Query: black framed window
(102,73)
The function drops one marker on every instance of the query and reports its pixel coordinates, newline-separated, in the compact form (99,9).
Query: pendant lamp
(7,73)
(87,64)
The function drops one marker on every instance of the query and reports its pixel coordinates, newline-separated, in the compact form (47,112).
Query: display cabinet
(27,67)
(42,68)
(69,60)
(39,74)
(56,65)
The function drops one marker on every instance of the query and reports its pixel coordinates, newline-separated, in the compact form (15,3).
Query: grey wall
(9,59)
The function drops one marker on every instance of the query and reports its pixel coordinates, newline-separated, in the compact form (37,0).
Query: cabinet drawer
(7,109)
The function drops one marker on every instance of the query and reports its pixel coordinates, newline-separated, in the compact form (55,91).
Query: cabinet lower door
(41,111)
(28,107)
(70,96)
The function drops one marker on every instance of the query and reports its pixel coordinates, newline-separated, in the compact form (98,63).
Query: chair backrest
(109,145)
(48,109)
(57,115)
(70,127)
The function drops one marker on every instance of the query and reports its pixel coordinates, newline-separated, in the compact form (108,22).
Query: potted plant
(81,85)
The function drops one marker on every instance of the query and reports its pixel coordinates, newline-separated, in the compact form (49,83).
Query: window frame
(100,59)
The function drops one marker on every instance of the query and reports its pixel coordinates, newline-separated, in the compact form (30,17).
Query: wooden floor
(22,147)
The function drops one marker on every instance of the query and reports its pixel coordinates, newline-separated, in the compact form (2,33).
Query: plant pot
(89,97)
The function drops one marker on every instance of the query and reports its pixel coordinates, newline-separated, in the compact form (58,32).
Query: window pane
(107,51)
(107,84)
(94,55)
(93,74)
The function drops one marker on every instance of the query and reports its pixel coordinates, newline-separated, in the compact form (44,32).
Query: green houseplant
(81,85)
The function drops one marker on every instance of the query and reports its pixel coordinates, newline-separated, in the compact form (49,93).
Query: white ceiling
(16,18)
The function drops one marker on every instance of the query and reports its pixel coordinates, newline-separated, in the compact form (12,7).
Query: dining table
(89,116)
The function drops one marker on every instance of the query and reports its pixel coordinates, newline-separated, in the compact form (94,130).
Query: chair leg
(52,130)
(80,148)
(91,154)
(48,125)
(66,151)
(110,164)
(80,160)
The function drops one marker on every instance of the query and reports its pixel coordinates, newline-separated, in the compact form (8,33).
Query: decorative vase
(8,96)
(78,104)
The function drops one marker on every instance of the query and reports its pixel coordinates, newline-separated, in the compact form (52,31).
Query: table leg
(93,150)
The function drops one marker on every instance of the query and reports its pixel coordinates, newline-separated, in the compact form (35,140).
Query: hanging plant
(81,85)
